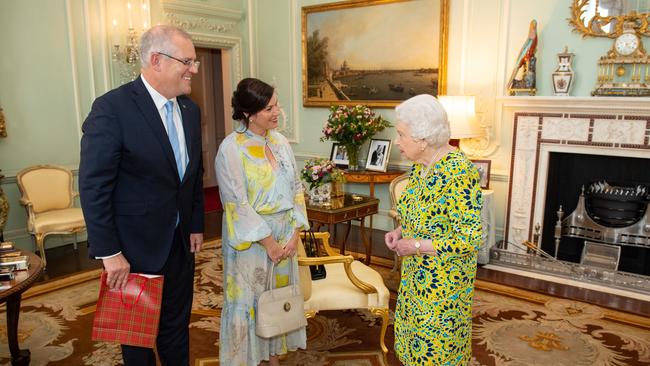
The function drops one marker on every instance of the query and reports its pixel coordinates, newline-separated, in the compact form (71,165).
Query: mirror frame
(578,10)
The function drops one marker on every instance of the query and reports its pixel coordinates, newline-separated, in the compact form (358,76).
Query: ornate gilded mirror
(606,18)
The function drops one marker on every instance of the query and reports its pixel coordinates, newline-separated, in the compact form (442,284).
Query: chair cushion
(63,220)
(47,188)
(336,291)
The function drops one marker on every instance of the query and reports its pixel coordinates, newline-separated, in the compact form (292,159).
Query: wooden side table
(346,209)
(371,178)
(12,296)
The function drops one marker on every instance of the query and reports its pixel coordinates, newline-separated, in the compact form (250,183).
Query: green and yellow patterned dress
(433,317)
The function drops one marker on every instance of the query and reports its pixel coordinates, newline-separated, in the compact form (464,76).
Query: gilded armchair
(349,284)
(395,190)
(48,197)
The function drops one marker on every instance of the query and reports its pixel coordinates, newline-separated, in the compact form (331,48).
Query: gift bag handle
(133,277)
(270,277)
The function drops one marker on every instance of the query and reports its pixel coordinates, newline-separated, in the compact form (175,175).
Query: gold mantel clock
(625,69)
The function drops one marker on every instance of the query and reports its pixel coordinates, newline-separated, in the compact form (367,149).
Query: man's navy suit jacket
(129,185)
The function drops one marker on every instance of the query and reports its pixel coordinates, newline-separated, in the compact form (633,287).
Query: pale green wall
(55,61)
(485,38)
(53,66)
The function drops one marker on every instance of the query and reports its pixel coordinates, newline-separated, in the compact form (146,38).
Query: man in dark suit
(141,186)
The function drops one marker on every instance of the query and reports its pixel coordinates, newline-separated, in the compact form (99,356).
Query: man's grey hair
(158,39)
(426,118)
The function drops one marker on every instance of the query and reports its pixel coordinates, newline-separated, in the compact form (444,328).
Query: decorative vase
(563,76)
(321,193)
(353,157)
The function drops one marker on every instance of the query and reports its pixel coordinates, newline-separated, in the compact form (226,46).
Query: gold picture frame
(483,167)
(3,126)
(373,52)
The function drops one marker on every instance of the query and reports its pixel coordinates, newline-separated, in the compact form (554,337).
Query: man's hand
(117,271)
(196,242)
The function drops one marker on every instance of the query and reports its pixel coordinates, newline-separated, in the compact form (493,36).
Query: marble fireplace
(558,144)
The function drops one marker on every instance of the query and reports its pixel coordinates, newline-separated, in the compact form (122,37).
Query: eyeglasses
(188,63)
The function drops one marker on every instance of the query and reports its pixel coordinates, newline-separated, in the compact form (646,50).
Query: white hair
(158,39)
(426,118)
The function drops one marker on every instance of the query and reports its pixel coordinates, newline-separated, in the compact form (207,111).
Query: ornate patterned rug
(511,327)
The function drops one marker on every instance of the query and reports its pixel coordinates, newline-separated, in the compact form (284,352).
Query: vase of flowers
(352,127)
(321,175)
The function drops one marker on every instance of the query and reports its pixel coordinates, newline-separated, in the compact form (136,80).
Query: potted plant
(324,179)
(351,127)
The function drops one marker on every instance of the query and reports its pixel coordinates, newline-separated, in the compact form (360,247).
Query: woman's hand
(392,237)
(275,252)
(405,246)
(292,245)
(273,249)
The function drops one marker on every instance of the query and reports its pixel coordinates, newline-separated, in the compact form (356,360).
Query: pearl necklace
(433,162)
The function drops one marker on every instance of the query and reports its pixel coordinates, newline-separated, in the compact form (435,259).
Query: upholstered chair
(48,197)
(395,190)
(348,284)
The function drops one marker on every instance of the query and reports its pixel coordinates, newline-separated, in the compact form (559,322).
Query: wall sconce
(461,112)
(126,55)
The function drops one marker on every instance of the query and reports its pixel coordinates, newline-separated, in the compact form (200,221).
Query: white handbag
(280,310)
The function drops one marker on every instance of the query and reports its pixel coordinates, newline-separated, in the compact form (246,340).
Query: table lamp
(462,117)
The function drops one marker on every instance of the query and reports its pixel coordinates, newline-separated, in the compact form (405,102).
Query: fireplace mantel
(578,104)
(596,125)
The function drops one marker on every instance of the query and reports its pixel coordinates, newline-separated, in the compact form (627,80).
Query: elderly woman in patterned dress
(440,216)
(264,212)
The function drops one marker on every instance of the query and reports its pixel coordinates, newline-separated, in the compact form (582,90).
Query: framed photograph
(483,167)
(373,52)
(339,156)
(378,155)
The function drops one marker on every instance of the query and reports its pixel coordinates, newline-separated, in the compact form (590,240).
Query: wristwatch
(417,247)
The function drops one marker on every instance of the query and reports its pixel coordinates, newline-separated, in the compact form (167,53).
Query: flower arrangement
(352,126)
(320,171)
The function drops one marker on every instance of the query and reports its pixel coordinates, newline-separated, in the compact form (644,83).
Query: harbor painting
(373,52)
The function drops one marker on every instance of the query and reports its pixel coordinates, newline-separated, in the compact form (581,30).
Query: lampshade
(462,116)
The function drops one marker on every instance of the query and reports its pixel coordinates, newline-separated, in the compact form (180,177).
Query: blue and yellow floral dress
(433,317)
(258,201)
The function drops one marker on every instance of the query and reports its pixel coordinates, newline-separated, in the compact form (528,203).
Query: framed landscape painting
(373,52)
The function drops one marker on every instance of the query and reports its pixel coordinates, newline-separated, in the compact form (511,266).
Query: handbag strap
(270,276)
(144,283)
(312,245)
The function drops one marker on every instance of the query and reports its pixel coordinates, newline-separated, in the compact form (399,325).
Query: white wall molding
(230,44)
(201,10)
(73,67)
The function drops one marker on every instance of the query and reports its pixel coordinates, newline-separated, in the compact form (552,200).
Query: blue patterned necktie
(173,137)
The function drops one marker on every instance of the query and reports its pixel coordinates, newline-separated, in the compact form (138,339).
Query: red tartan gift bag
(129,316)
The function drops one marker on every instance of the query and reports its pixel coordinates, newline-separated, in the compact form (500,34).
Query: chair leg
(383,312)
(40,243)
(75,242)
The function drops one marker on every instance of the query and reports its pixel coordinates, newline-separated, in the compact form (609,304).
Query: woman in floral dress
(440,216)
(264,212)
